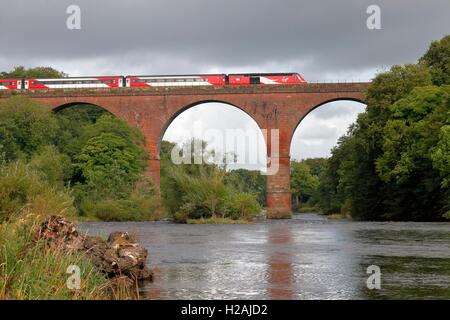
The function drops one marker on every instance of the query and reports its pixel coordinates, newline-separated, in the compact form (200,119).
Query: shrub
(241,205)
(21,187)
(52,166)
(25,127)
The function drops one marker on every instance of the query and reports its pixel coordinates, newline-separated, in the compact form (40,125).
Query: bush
(23,188)
(241,205)
(52,166)
(143,204)
(25,127)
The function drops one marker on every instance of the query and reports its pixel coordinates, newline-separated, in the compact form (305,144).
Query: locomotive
(154,81)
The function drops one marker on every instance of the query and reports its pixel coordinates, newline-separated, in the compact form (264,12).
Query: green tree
(110,165)
(248,181)
(437,58)
(406,164)
(37,72)
(303,183)
(25,127)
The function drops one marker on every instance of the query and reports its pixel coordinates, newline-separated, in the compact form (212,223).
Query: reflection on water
(280,268)
(308,257)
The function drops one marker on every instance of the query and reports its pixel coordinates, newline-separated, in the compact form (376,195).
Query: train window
(254,80)
(4,83)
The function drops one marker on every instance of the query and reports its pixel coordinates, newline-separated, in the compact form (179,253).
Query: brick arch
(180,109)
(71,104)
(58,104)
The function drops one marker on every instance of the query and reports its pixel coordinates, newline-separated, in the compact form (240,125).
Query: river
(307,257)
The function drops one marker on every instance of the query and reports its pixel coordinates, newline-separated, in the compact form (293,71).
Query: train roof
(65,78)
(264,74)
(178,75)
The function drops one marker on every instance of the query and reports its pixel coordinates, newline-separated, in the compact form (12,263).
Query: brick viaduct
(152,110)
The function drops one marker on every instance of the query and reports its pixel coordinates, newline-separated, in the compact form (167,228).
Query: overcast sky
(324,40)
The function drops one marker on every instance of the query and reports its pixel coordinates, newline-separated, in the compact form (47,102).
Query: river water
(307,257)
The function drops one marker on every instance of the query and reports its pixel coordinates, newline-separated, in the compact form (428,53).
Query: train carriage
(265,78)
(76,82)
(176,80)
(10,84)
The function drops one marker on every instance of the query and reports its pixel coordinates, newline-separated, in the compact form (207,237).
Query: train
(242,79)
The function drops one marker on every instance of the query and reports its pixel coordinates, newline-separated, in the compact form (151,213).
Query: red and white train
(154,81)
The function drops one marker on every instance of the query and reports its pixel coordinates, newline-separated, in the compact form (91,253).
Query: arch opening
(311,144)
(89,110)
(225,127)
(235,145)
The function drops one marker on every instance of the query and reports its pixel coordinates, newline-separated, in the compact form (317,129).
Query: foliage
(110,165)
(393,163)
(72,123)
(25,127)
(52,166)
(242,206)
(142,204)
(32,73)
(304,184)
(22,188)
(248,181)
(437,59)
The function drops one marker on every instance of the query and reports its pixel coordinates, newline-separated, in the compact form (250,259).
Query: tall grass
(32,270)
(29,268)
(22,188)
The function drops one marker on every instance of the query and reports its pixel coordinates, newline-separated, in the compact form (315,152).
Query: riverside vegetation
(394,162)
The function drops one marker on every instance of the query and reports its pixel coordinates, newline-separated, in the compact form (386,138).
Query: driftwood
(120,257)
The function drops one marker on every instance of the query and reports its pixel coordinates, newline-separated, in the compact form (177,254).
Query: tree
(437,58)
(303,184)
(406,163)
(38,72)
(25,127)
(392,163)
(248,181)
(110,165)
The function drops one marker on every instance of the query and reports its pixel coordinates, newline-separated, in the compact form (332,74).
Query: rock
(118,257)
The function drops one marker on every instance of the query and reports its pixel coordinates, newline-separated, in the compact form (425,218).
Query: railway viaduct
(274,108)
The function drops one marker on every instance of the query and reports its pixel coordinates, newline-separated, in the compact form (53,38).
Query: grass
(216,221)
(30,270)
